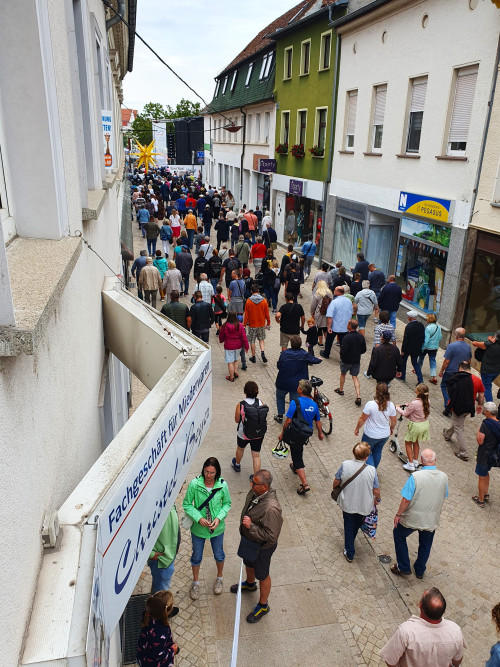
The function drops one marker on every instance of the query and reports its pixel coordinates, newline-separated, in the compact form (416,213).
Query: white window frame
(263,66)
(249,74)
(224,87)
(306,42)
(248,130)
(299,127)
(460,73)
(351,95)
(323,37)
(282,129)
(257,128)
(288,50)
(217,86)
(235,134)
(233,80)
(417,104)
(317,128)
(267,126)
(379,101)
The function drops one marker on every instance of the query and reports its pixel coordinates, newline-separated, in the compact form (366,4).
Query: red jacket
(190,202)
(259,251)
(233,337)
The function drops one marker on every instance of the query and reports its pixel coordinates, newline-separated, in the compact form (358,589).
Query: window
(352,103)
(268,65)
(257,127)
(267,123)
(462,110)
(324,52)
(235,134)
(301,126)
(233,80)
(249,74)
(249,128)
(288,63)
(320,134)
(305,53)
(418,92)
(217,86)
(285,126)
(225,85)
(378,117)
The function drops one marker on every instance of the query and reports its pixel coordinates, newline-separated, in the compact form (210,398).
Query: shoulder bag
(336,491)
(187,521)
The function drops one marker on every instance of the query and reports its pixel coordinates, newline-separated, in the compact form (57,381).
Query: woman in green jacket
(208,523)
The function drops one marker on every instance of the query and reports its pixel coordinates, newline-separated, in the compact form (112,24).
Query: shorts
(353,369)
(297,452)
(255,444)
(258,333)
(231,355)
(285,338)
(362,319)
(418,431)
(262,564)
(482,470)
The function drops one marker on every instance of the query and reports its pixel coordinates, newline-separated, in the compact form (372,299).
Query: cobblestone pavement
(326,611)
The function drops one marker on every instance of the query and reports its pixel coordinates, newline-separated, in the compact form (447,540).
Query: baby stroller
(394,445)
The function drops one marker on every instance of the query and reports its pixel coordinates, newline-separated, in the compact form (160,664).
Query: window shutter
(380,96)
(351,112)
(419,90)
(462,106)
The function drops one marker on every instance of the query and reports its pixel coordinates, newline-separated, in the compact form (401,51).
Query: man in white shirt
(207,248)
(206,289)
(337,316)
(428,639)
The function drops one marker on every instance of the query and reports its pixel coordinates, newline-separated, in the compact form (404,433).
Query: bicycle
(322,402)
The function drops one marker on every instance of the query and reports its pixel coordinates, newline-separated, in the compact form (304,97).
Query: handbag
(248,549)
(369,525)
(187,521)
(336,491)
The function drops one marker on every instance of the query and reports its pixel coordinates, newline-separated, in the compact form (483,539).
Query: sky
(197,39)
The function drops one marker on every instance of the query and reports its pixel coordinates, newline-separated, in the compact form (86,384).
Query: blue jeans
(392,318)
(280,399)
(415,364)
(376,445)
(352,524)
(362,320)
(190,233)
(444,391)
(162,576)
(143,229)
(425,538)
(185,283)
(308,263)
(271,295)
(207,229)
(252,233)
(487,379)
(151,246)
(432,361)
(199,544)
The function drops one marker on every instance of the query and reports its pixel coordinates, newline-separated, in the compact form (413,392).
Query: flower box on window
(282,149)
(298,150)
(316,151)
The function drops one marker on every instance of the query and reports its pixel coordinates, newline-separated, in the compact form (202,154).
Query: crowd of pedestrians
(238,286)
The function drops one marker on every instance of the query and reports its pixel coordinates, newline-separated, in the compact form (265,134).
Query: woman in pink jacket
(232,333)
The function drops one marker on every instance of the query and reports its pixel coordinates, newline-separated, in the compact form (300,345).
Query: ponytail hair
(158,607)
(423,395)
(382,396)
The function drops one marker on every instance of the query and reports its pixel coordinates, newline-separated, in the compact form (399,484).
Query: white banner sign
(140,502)
(160,137)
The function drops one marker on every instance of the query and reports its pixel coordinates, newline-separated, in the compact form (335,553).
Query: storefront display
(421,262)
(303,216)
(482,312)
(263,191)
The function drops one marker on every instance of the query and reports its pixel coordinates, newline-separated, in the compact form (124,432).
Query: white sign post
(139,502)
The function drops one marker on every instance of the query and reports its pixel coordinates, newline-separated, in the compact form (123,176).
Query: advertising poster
(107,135)
(160,137)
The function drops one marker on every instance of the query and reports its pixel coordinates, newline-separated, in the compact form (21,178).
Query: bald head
(428,457)
(460,333)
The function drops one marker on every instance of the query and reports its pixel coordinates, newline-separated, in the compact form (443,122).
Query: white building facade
(413,90)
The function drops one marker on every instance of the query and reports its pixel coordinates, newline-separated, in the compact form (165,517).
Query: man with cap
(413,341)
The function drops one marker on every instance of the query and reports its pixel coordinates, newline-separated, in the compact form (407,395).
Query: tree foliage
(142,125)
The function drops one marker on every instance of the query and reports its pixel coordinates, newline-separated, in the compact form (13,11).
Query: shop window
(320,134)
(249,74)
(348,240)
(305,55)
(285,127)
(465,87)
(233,80)
(287,74)
(379,246)
(301,126)
(378,117)
(421,262)
(352,103)
(224,87)
(418,93)
(324,52)
(482,312)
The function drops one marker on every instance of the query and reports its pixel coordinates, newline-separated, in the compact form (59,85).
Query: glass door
(379,246)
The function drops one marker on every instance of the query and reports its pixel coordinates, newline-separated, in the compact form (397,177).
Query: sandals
(486,497)
(293,469)
(339,392)
(302,490)
(479,503)
(462,457)
(229,378)
(433,380)
(236,376)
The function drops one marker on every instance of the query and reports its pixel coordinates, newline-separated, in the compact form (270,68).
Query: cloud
(197,39)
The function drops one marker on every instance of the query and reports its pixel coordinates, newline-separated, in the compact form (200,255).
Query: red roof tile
(126,115)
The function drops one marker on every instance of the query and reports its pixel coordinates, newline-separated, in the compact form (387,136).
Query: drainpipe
(242,153)
(326,184)
(118,16)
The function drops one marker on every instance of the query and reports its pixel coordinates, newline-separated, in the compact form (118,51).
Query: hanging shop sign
(424,206)
(296,188)
(267,166)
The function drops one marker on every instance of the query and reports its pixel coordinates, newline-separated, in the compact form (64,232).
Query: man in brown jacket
(257,318)
(150,281)
(261,522)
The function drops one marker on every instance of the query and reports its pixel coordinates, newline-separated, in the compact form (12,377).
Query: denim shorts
(199,544)
(482,471)
(362,320)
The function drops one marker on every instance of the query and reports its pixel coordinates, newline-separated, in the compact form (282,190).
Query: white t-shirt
(175,221)
(239,431)
(378,423)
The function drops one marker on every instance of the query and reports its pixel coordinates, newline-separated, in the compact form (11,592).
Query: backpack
(298,430)
(294,282)
(325,302)
(232,265)
(255,421)
(494,456)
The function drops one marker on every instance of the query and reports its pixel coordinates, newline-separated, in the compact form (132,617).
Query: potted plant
(282,149)
(316,151)
(298,150)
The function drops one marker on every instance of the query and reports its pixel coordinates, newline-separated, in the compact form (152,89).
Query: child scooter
(394,445)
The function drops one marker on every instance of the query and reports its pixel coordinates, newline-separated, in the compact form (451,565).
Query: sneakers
(264,358)
(278,418)
(245,587)
(445,436)
(280,451)
(366,375)
(243,367)
(252,359)
(409,466)
(218,587)
(194,593)
(236,466)
(259,611)
(322,354)
(348,559)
